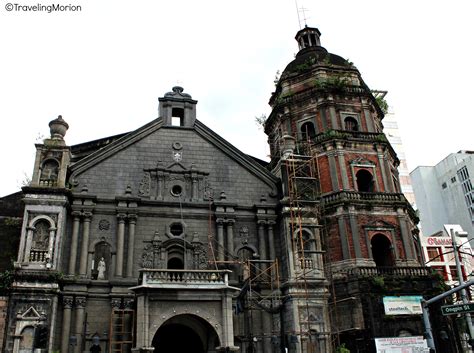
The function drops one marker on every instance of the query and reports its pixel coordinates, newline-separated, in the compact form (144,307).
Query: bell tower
(45,203)
(343,212)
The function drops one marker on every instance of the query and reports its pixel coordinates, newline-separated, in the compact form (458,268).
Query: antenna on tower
(298,13)
(303,11)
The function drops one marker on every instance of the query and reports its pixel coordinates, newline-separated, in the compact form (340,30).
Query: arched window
(40,242)
(306,249)
(351,124)
(175,258)
(382,250)
(307,130)
(246,268)
(102,260)
(365,181)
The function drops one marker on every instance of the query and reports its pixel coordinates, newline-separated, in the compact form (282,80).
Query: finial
(58,128)
(223,196)
(128,190)
(84,189)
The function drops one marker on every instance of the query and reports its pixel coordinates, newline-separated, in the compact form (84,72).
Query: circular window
(176,229)
(176,190)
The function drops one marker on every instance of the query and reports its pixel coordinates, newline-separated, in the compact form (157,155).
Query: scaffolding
(303,195)
(121,330)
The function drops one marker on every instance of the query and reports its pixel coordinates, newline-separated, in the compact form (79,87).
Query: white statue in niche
(101,269)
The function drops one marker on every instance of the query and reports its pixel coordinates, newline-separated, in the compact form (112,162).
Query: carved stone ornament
(244,234)
(144,186)
(177,156)
(200,252)
(67,302)
(362,161)
(80,302)
(147,257)
(128,303)
(116,303)
(104,225)
(177,146)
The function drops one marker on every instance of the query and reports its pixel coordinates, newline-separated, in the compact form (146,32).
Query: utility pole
(426,317)
(461,280)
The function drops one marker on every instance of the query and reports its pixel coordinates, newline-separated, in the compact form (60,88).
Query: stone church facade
(169,239)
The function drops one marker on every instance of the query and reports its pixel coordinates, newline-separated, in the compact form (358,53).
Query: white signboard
(415,344)
(404,305)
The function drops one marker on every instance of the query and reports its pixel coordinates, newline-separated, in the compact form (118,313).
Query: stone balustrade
(185,278)
(389,271)
(382,197)
(38,255)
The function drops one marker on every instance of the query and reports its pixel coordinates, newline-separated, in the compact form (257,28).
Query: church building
(169,239)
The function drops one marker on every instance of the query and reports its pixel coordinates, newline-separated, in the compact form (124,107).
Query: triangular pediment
(31,313)
(361,161)
(379,223)
(199,128)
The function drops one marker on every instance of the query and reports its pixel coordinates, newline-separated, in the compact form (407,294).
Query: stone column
(266,331)
(120,242)
(342,167)
(227,323)
(355,232)
(406,237)
(132,221)
(75,234)
(79,329)
(333,170)
(66,325)
(386,185)
(85,244)
(230,238)
(262,246)
(271,241)
(220,239)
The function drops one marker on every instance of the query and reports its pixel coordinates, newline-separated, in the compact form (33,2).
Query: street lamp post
(461,280)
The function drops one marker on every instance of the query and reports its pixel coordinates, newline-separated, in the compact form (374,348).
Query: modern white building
(444,193)
(391,130)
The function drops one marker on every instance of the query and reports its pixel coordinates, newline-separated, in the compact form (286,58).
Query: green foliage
(277,78)
(306,65)
(261,120)
(56,276)
(378,281)
(6,280)
(12,222)
(342,349)
(382,103)
(337,82)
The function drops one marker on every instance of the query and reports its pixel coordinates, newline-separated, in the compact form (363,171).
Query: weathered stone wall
(3,319)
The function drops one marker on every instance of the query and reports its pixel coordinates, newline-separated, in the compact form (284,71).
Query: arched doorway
(185,334)
(382,250)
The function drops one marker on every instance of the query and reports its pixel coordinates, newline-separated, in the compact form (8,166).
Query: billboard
(415,344)
(403,305)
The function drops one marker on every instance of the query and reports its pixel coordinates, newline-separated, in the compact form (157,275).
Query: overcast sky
(104,67)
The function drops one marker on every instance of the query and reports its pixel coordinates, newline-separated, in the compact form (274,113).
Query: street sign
(457,309)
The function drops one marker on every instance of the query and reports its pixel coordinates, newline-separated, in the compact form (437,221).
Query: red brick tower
(326,119)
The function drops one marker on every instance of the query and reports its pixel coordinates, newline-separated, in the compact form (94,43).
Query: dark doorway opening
(175,263)
(177,338)
(382,250)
